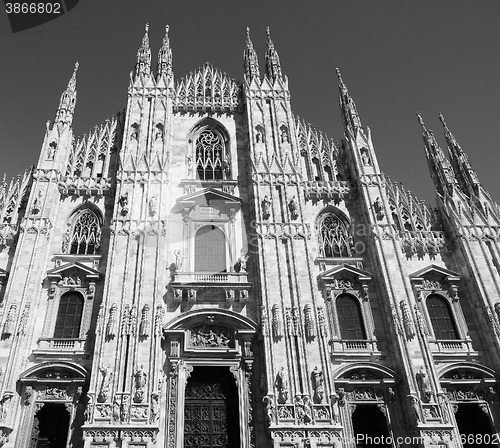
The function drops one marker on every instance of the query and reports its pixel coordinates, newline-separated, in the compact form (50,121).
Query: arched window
(210,250)
(69,316)
(334,238)
(85,234)
(210,156)
(441,318)
(350,318)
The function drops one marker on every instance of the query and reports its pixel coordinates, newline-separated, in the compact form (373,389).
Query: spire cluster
(350,115)
(251,62)
(273,66)
(143,64)
(67,103)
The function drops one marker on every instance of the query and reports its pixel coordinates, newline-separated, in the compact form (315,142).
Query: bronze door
(205,416)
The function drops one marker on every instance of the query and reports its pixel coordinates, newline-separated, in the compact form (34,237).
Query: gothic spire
(348,109)
(465,174)
(67,103)
(143,64)
(165,57)
(273,66)
(250,60)
(439,166)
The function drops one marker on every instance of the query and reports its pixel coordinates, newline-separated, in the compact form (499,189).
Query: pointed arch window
(210,250)
(441,318)
(85,234)
(69,316)
(210,155)
(350,318)
(334,237)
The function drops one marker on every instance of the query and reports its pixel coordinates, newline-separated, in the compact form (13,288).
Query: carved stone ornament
(145,325)
(210,336)
(408,325)
(277,326)
(112,327)
(292,206)
(309,322)
(242,260)
(268,402)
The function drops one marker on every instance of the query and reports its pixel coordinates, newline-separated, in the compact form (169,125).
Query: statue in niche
(140,383)
(317,385)
(269,407)
(307,406)
(284,135)
(124,204)
(190,164)
(365,158)
(159,132)
(51,151)
(134,133)
(281,384)
(37,203)
(226,164)
(259,138)
(292,206)
(106,373)
(335,407)
(266,208)
(153,205)
(423,384)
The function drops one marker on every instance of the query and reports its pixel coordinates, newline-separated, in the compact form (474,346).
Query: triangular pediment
(345,271)
(60,272)
(435,271)
(206,196)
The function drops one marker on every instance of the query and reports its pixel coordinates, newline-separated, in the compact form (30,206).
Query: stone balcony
(219,286)
(61,348)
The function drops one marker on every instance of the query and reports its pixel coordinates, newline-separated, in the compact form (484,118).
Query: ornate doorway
(211,409)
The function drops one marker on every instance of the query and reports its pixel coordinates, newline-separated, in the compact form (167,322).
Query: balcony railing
(211,277)
(353,347)
(61,344)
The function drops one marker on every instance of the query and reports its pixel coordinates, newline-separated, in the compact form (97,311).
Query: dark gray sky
(396,57)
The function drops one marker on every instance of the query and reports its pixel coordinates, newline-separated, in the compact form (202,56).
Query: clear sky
(396,57)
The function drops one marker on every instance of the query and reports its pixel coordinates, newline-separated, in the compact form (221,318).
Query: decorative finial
(420,120)
(442,120)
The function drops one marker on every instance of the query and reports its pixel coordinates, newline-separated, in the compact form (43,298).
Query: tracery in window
(441,318)
(85,234)
(334,237)
(350,318)
(210,155)
(69,316)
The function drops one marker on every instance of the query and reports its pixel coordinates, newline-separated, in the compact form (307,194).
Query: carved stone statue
(190,164)
(106,373)
(243,261)
(178,259)
(140,383)
(269,406)
(292,206)
(317,385)
(281,384)
(423,384)
(227,166)
(153,205)
(266,208)
(124,204)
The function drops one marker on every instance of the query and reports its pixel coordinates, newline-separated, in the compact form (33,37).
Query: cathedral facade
(209,270)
